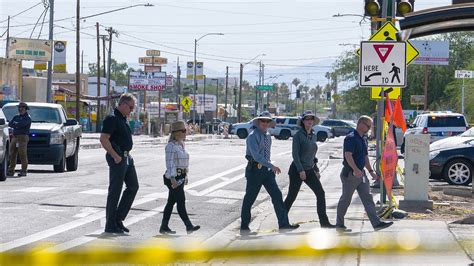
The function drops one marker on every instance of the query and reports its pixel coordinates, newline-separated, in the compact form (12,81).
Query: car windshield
(468,133)
(38,114)
(446,121)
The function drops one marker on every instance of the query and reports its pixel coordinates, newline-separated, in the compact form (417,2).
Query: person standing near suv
(20,124)
(304,168)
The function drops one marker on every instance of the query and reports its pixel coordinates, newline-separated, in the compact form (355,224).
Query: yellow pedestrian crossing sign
(388,32)
(186,102)
(391,93)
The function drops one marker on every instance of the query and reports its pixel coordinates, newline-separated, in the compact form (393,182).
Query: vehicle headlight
(433,154)
(56,138)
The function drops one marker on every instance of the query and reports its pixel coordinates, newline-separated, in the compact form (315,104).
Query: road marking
(222,201)
(97,216)
(95,191)
(35,189)
(232,194)
(86,212)
(51,210)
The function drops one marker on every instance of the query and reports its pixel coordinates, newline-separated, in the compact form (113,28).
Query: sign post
(463,74)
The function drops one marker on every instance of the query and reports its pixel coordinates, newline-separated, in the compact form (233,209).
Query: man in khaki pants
(21,129)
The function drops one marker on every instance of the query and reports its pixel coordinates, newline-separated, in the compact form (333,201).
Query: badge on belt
(259,166)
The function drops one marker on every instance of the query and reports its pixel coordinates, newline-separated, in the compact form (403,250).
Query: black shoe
(382,225)
(10,173)
(327,225)
(246,232)
(343,229)
(21,174)
(166,231)
(289,227)
(114,231)
(191,229)
(122,227)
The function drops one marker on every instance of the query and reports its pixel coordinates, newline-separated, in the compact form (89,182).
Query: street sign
(153,60)
(382,64)
(29,49)
(388,32)
(152,52)
(265,87)
(149,68)
(463,74)
(147,81)
(391,92)
(186,102)
(417,99)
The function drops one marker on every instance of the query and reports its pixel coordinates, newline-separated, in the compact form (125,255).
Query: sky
(300,38)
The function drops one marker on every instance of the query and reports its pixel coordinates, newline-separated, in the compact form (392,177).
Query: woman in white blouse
(175,177)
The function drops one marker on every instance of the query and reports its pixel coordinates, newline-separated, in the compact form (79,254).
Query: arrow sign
(386,92)
(367,78)
(383,51)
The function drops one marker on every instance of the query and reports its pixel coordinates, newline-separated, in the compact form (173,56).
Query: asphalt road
(67,210)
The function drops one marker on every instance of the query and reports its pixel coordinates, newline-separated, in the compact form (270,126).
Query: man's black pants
(118,174)
(255,179)
(314,184)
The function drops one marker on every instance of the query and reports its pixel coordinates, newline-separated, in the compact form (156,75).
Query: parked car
(438,125)
(4,144)
(452,159)
(287,127)
(242,130)
(54,139)
(339,127)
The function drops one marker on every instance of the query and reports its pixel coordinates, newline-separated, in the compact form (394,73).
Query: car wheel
(73,161)
(285,134)
(458,172)
(242,133)
(4,166)
(59,168)
(322,136)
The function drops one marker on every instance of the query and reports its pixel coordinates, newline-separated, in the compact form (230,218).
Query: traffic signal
(373,8)
(404,7)
(328,96)
(298,94)
(235,91)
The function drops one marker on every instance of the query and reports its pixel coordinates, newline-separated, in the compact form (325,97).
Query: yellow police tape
(318,243)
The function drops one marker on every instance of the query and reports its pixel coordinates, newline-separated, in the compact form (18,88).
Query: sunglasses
(308,118)
(182,131)
(264,121)
(21,107)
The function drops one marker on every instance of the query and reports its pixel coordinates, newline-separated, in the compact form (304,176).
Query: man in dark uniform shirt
(20,124)
(116,138)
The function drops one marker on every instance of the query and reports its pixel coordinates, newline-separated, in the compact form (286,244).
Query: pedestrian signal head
(404,7)
(372,8)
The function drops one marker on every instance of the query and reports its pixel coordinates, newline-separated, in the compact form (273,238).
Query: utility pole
(334,104)
(78,51)
(82,62)
(178,90)
(50,63)
(8,37)
(217,96)
(97,122)
(239,107)
(111,31)
(226,88)
(103,53)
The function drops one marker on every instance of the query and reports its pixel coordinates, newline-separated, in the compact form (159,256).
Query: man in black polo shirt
(116,138)
(353,176)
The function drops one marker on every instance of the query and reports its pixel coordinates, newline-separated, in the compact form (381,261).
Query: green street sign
(265,87)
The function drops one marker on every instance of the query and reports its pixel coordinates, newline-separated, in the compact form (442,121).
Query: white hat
(305,114)
(265,115)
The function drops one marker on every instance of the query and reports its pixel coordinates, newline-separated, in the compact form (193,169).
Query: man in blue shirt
(353,176)
(20,124)
(260,171)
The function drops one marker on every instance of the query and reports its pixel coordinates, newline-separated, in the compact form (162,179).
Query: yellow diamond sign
(186,102)
(392,93)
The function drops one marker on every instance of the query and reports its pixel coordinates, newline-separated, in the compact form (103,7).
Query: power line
(28,9)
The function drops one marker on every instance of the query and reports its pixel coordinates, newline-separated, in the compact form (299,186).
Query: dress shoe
(247,232)
(22,174)
(191,229)
(327,225)
(122,227)
(343,229)
(289,227)
(382,225)
(166,231)
(114,231)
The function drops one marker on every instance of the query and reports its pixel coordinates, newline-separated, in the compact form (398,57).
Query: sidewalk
(441,243)
(91,140)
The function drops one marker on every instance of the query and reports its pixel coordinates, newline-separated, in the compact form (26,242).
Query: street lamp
(239,107)
(194,71)
(78,49)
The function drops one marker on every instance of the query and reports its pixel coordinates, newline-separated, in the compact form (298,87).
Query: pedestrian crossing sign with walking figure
(383,64)
(186,102)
